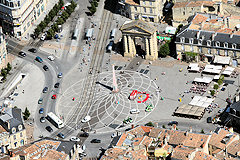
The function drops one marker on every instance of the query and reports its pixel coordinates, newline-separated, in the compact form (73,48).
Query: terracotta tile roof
(132,2)
(146,141)
(195,140)
(198,19)
(176,137)
(181,152)
(121,139)
(234,17)
(195,26)
(180,4)
(234,148)
(4,156)
(193,4)
(203,156)
(146,129)
(217,139)
(225,30)
(211,27)
(237,33)
(2,129)
(155,132)
(119,153)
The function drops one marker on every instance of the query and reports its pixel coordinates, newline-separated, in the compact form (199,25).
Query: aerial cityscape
(119,79)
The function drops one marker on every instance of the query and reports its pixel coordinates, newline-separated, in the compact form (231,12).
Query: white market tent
(221,60)
(228,71)
(201,101)
(212,69)
(203,80)
(193,67)
(216,77)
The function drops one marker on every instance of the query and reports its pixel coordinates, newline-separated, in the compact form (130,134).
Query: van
(75,34)
(109,47)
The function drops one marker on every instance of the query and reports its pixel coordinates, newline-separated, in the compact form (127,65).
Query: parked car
(86,119)
(40,101)
(209,120)
(45,89)
(49,129)
(33,50)
(43,37)
(45,67)
(39,59)
(84,134)
(75,139)
(172,123)
(114,135)
(61,135)
(41,110)
(22,54)
(95,141)
(128,120)
(51,58)
(59,75)
(42,119)
(56,85)
(134,111)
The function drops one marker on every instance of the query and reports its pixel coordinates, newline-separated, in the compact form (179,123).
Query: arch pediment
(136,30)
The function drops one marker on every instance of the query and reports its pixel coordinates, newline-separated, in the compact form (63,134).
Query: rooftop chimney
(198,34)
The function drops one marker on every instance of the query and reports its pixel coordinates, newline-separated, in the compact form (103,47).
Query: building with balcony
(17,16)
(3,50)
(208,35)
(149,10)
(12,130)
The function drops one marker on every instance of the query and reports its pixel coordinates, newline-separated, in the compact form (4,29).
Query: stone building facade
(16,17)
(149,10)
(3,50)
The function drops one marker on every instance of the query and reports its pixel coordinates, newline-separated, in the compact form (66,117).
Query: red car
(54,96)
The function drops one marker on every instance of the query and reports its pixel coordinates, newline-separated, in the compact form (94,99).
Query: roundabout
(110,110)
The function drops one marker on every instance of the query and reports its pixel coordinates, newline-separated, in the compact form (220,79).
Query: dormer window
(20,127)
(191,40)
(13,130)
(200,42)
(234,46)
(217,44)
(182,39)
(208,43)
(225,45)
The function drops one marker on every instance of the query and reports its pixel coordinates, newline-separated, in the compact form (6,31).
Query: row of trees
(216,86)
(61,19)
(94,5)
(6,71)
(54,11)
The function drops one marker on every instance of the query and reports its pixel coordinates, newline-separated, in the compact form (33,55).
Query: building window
(191,40)
(200,42)
(218,52)
(144,9)
(24,29)
(184,13)
(144,2)
(191,48)
(225,45)
(217,44)
(151,10)
(234,54)
(208,43)
(226,53)
(135,8)
(209,50)
(183,47)
(13,130)
(11,4)
(14,137)
(15,144)
(182,39)
(18,3)
(234,46)
(21,134)
(42,8)
(200,49)
(150,2)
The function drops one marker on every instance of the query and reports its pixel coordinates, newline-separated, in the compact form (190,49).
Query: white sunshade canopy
(221,60)
(201,101)
(228,70)
(193,67)
(203,80)
(212,69)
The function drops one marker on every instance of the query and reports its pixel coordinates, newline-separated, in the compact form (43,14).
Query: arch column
(152,48)
(146,47)
(125,41)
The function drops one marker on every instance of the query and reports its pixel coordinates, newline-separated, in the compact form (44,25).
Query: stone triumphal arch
(139,37)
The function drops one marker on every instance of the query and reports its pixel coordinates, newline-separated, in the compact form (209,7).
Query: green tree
(60,21)
(150,124)
(212,92)
(9,67)
(42,25)
(50,33)
(55,8)
(93,9)
(61,3)
(55,27)
(95,3)
(215,86)
(4,73)
(202,131)
(73,4)
(69,9)
(220,82)
(164,50)
(37,31)
(222,77)
(47,19)
(26,114)
(64,15)
(52,14)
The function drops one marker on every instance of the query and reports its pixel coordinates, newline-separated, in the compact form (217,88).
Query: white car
(43,37)
(134,111)
(86,119)
(114,135)
(75,139)
(51,58)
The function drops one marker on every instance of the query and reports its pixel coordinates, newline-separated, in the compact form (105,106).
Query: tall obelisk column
(115,87)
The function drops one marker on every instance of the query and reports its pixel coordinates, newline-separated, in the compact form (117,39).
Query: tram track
(90,81)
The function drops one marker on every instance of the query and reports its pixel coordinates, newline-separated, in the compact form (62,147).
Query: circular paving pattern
(108,109)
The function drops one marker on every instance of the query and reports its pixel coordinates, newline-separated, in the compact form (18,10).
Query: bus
(51,117)
(75,34)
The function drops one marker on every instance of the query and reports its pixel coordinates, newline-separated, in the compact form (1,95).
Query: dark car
(45,67)
(49,129)
(209,120)
(56,85)
(41,110)
(32,50)
(39,59)
(61,135)
(95,141)
(85,134)
(22,54)
(172,123)
(42,119)
(45,89)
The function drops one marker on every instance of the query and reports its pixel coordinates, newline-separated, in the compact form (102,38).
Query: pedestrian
(73,98)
